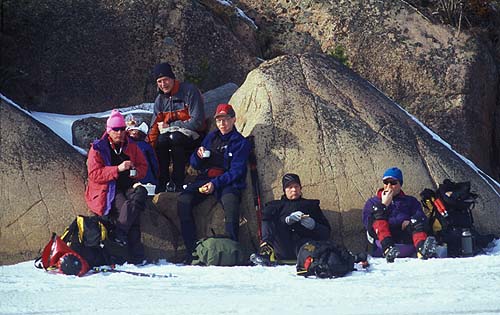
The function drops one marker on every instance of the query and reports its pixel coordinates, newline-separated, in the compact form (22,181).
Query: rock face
(309,115)
(42,185)
(71,57)
(446,77)
(68,57)
(312,116)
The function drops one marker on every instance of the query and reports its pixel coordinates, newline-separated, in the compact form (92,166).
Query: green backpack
(219,251)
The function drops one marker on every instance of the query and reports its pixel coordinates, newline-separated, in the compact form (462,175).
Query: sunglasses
(392,182)
(118,129)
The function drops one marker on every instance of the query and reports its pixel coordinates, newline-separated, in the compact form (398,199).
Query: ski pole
(252,159)
(133,273)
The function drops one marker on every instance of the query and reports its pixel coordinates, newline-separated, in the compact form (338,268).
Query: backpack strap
(68,233)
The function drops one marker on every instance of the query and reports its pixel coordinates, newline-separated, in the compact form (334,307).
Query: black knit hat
(290,178)
(163,70)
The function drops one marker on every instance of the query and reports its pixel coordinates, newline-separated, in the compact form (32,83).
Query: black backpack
(324,259)
(450,205)
(449,210)
(88,236)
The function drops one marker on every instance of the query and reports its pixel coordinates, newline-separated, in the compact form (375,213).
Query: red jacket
(102,176)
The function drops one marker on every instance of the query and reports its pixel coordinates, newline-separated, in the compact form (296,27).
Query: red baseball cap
(224,110)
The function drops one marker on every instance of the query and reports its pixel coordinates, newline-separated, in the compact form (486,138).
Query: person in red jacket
(115,165)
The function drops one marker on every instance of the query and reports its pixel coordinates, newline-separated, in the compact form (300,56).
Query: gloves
(379,212)
(416,226)
(294,217)
(308,223)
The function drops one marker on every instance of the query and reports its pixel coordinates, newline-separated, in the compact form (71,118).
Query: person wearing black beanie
(177,126)
(289,223)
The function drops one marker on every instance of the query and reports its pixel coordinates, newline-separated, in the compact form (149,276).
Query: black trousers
(174,147)
(229,198)
(125,213)
(285,242)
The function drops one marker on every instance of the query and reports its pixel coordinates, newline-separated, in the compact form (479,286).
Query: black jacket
(278,210)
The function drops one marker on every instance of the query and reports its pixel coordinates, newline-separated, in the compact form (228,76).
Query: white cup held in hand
(206,154)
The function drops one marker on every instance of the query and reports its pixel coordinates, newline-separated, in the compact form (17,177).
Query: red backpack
(58,256)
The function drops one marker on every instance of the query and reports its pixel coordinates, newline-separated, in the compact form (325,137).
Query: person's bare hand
(207,189)
(387,196)
(405,224)
(200,151)
(124,166)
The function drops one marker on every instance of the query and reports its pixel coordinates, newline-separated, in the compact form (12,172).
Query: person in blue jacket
(392,216)
(222,160)
(139,134)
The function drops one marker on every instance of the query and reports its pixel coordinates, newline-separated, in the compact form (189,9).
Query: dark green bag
(219,251)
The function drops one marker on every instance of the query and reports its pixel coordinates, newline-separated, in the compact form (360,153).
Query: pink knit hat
(115,120)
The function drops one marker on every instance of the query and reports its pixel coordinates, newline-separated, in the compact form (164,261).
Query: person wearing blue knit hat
(394,173)
(392,216)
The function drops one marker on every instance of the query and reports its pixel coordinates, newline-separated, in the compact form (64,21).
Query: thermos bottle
(467,247)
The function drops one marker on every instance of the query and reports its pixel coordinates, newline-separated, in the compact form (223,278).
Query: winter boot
(390,250)
(265,256)
(428,248)
(119,237)
(390,253)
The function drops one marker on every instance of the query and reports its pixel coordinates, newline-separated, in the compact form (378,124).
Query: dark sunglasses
(392,182)
(118,129)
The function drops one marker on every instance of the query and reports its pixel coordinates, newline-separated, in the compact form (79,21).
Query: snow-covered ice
(408,286)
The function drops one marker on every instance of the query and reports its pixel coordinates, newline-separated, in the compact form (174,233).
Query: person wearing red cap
(177,126)
(222,160)
(115,164)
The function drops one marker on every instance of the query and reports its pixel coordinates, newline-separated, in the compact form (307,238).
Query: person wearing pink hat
(115,164)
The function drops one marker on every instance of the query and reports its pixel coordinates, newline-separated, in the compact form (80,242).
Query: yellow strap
(79,223)
(428,207)
(104,231)
(66,231)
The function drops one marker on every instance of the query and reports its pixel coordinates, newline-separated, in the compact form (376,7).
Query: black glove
(416,225)
(379,212)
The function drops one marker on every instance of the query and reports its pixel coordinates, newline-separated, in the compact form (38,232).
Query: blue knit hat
(393,172)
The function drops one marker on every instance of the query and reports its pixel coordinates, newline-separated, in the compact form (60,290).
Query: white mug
(133,172)
(206,154)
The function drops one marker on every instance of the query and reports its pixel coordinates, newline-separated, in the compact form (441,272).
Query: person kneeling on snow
(115,165)
(392,216)
(289,223)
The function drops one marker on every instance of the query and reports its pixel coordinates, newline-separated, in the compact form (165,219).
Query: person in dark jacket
(392,216)
(289,223)
(139,134)
(115,165)
(177,126)
(222,160)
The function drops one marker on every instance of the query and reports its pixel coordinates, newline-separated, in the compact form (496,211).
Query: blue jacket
(402,207)
(153,169)
(235,159)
